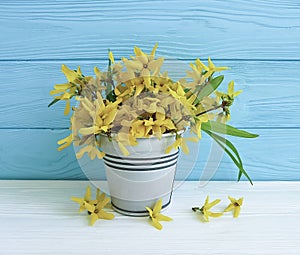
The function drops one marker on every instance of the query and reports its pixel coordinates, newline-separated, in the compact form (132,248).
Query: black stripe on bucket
(128,158)
(126,162)
(140,169)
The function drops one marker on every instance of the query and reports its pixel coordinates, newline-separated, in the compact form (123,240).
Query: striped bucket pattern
(143,177)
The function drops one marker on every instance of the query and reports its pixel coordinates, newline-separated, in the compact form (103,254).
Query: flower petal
(229,208)
(88,194)
(155,64)
(83,150)
(94,218)
(78,200)
(87,131)
(111,57)
(236,211)
(123,149)
(150,211)
(105,215)
(100,196)
(62,86)
(152,54)
(231,88)
(70,74)
(161,217)
(232,200)
(103,203)
(156,224)
(89,207)
(138,52)
(213,203)
(185,147)
(132,65)
(240,201)
(215,215)
(157,207)
(67,108)
(65,142)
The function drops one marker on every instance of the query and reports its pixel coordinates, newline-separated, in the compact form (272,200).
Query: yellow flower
(139,129)
(231,91)
(205,209)
(94,207)
(144,64)
(231,94)
(65,96)
(100,196)
(71,74)
(235,205)
(111,57)
(178,93)
(196,124)
(125,138)
(161,84)
(67,141)
(102,113)
(92,151)
(212,68)
(158,126)
(197,74)
(85,200)
(68,90)
(126,89)
(97,211)
(181,142)
(201,72)
(156,216)
(101,78)
(228,100)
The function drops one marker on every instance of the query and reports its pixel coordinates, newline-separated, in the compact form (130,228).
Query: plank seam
(181,59)
(66,128)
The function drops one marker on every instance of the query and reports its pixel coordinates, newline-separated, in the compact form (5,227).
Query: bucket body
(143,177)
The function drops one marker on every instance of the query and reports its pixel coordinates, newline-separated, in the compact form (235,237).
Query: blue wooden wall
(259,40)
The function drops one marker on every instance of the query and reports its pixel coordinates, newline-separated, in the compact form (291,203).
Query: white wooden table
(38,217)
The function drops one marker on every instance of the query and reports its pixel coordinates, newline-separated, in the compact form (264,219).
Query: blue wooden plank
(270,97)
(81,29)
(31,154)
(245,33)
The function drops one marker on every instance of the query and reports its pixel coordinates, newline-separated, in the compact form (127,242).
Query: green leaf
(222,142)
(222,128)
(227,143)
(53,102)
(210,87)
(111,96)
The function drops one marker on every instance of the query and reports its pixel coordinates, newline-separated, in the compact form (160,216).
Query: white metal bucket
(143,177)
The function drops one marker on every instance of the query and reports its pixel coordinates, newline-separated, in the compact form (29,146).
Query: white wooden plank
(44,221)
(80,29)
(31,154)
(270,95)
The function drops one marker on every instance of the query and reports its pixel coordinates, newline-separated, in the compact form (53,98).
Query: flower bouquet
(136,117)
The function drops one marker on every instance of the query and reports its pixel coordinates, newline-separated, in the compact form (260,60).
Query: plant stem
(212,109)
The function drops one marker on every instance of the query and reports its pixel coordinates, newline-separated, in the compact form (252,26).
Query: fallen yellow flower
(235,205)
(205,209)
(156,216)
(97,211)
(85,200)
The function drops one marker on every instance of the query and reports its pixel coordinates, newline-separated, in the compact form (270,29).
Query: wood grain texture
(259,40)
(31,154)
(80,29)
(270,99)
(45,221)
